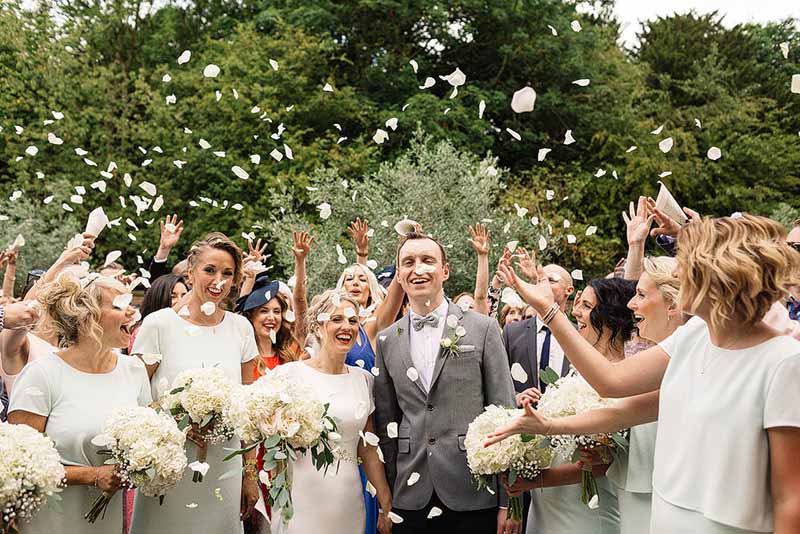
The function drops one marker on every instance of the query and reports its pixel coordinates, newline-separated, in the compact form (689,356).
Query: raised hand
(538,295)
(498,280)
(358,231)
(256,252)
(11,256)
(79,253)
(527,263)
(302,244)
(171,230)
(638,222)
(531,423)
(480,239)
(666,224)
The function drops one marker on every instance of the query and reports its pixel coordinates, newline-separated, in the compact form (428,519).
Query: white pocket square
(466,348)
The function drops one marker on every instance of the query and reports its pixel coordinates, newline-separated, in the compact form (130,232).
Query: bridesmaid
(723,387)
(71,393)
(190,338)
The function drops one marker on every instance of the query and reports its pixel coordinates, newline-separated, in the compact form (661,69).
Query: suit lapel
(404,333)
(441,357)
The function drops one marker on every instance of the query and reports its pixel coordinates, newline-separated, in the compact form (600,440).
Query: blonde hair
(219,241)
(661,271)
(740,265)
(72,307)
(376,291)
(325,303)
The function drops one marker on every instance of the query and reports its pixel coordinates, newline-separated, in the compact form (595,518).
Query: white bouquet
(516,456)
(201,397)
(572,395)
(285,418)
(30,474)
(148,449)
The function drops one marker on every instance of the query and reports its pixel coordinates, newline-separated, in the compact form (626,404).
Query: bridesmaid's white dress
(632,475)
(213,505)
(559,510)
(332,503)
(77,406)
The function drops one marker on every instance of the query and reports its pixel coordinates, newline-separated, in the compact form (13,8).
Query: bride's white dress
(332,503)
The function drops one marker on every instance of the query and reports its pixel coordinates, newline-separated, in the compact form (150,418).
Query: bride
(332,502)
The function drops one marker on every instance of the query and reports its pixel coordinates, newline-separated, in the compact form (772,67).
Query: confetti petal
(665,145)
(796,84)
(413,479)
(240,172)
(435,512)
(575,25)
(577,274)
(394,518)
(414,65)
(657,130)
(391,430)
(568,139)
(412,374)
(211,71)
(455,78)
(523,100)
(121,302)
(514,134)
(184,57)
(543,153)
(591,230)
(152,359)
(583,82)
(481,108)
(31,150)
(429,82)
(714,153)
(380,136)
(518,373)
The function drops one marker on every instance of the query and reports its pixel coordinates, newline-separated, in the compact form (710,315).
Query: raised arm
(171,230)
(633,376)
(480,244)
(637,228)
(69,257)
(251,263)
(300,249)
(387,411)
(11,273)
(386,312)
(359,230)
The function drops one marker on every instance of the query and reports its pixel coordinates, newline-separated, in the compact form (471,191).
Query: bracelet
(550,314)
(360,253)
(96,477)
(2,318)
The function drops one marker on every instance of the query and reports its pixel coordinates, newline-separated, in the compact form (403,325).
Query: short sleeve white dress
(212,505)
(712,467)
(77,405)
(332,503)
(632,475)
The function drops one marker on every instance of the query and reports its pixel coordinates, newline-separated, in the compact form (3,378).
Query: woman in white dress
(723,387)
(192,338)
(333,502)
(70,394)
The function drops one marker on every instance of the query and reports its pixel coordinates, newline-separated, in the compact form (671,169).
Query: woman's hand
(302,245)
(539,294)
(520,485)
(249,497)
(527,264)
(384,523)
(531,423)
(638,222)
(256,252)
(480,239)
(171,230)
(107,478)
(498,280)
(666,224)
(359,230)
(530,395)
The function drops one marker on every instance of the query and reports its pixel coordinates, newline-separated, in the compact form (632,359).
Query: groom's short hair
(410,236)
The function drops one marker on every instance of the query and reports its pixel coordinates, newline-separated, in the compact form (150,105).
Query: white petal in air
(380,136)
(796,84)
(591,230)
(435,512)
(413,479)
(631,149)
(211,71)
(328,88)
(518,373)
(571,239)
(543,153)
(429,82)
(31,150)
(714,153)
(542,242)
(240,172)
(273,64)
(523,100)
(324,210)
(412,374)
(785,49)
(575,25)
(568,139)
(698,123)
(152,359)
(391,430)
(394,518)
(121,302)
(414,65)
(577,274)
(276,154)
(514,134)
(208,308)
(553,30)
(583,82)
(455,78)
(54,139)
(184,57)
(392,123)
(665,145)
(549,194)
(593,503)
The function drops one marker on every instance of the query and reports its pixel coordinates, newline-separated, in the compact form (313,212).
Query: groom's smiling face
(421,270)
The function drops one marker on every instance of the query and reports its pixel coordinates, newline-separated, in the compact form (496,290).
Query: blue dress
(362,352)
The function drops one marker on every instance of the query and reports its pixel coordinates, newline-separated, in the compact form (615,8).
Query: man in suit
(531,344)
(431,395)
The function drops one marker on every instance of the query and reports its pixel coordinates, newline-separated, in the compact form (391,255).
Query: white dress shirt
(424,344)
(556,352)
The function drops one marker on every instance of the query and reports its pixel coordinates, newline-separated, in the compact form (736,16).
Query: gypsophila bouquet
(571,395)
(201,397)
(30,474)
(516,456)
(148,449)
(286,418)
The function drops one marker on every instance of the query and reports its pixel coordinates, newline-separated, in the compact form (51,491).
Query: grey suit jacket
(520,341)
(432,424)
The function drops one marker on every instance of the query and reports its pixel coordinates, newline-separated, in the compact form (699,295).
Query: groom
(430,394)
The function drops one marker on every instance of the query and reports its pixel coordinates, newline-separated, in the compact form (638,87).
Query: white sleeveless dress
(632,475)
(332,503)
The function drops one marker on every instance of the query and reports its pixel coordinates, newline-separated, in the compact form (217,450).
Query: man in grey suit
(430,394)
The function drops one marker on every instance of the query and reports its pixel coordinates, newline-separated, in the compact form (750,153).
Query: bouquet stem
(588,487)
(202,454)
(515,508)
(99,506)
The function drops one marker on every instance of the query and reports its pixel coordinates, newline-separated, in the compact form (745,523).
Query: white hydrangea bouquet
(286,418)
(148,449)
(30,474)
(571,395)
(201,397)
(516,456)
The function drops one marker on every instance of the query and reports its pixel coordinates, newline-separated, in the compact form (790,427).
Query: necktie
(418,322)
(544,359)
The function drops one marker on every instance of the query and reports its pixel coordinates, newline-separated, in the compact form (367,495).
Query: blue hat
(263,291)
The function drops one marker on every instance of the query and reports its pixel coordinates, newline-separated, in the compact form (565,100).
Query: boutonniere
(455,331)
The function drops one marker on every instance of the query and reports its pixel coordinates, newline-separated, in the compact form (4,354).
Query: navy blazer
(520,341)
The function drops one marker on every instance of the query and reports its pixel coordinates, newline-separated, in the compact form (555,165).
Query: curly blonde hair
(72,309)
(661,271)
(325,303)
(376,292)
(219,241)
(739,265)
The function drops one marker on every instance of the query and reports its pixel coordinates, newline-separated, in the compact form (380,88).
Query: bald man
(531,344)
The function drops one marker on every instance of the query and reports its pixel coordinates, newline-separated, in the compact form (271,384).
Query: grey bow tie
(431,320)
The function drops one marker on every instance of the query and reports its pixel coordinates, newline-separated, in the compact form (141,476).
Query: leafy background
(101,64)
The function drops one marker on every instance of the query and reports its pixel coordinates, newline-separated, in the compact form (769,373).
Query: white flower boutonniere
(455,331)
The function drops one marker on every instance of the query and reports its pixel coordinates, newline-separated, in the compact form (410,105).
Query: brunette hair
(611,311)
(286,346)
(159,296)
